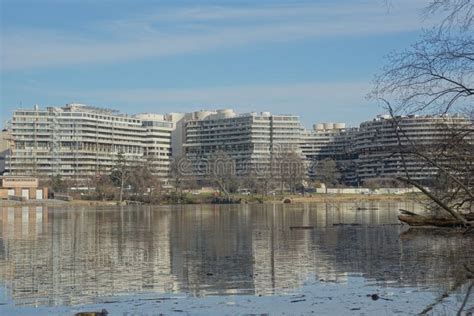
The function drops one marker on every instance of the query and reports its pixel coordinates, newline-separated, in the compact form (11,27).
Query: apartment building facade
(78,141)
(6,147)
(378,142)
(156,141)
(251,140)
(332,141)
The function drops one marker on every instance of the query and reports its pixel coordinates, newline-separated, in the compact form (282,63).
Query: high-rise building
(79,141)
(6,146)
(379,142)
(157,142)
(252,140)
(332,141)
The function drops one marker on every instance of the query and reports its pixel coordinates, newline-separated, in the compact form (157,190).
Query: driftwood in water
(301,227)
(413,219)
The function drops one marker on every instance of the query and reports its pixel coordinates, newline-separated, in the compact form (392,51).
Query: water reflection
(68,257)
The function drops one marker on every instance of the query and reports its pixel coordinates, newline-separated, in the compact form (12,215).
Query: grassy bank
(247,199)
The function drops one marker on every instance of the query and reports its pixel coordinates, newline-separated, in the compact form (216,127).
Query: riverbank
(244,199)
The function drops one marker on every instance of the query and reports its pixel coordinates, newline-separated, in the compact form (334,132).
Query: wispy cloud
(189,30)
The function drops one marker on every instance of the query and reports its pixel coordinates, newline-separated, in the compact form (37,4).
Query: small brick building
(25,188)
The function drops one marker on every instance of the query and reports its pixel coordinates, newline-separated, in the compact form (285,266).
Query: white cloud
(188,30)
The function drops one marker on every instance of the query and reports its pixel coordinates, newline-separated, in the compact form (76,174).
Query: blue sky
(315,59)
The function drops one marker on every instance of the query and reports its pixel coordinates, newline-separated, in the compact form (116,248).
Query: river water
(326,258)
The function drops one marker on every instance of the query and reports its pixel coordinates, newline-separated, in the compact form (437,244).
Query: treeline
(140,182)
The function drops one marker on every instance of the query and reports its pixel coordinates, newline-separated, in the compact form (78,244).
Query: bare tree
(327,172)
(436,76)
(121,173)
(265,181)
(104,187)
(181,174)
(222,172)
(451,158)
(292,170)
(143,181)
(58,184)
(457,13)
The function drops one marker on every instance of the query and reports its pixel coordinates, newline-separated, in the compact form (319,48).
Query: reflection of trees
(422,258)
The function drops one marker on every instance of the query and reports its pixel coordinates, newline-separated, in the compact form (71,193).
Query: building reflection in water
(67,257)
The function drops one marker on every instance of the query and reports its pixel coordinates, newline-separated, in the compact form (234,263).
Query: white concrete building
(328,141)
(332,141)
(157,142)
(252,140)
(78,141)
(6,146)
(377,144)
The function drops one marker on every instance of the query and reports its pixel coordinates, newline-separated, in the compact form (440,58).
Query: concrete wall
(18,192)
(366,190)
(19,182)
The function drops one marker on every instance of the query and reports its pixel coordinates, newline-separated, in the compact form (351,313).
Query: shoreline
(318,198)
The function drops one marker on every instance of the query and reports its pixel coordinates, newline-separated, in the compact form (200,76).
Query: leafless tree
(104,188)
(458,13)
(450,157)
(222,172)
(181,175)
(292,170)
(327,172)
(121,173)
(436,76)
(143,181)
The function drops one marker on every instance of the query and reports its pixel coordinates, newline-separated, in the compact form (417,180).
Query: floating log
(362,208)
(413,219)
(346,224)
(419,220)
(301,227)
(101,313)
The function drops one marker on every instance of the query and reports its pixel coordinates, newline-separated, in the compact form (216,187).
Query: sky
(315,59)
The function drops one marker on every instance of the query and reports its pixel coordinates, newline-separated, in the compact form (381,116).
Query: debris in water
(101,313)
(301,227)
(346,224)
(296,301)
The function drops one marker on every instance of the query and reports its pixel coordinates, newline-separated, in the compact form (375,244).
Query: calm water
(56,261)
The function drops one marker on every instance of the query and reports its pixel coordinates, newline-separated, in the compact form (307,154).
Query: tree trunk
(121,188)
(453,213)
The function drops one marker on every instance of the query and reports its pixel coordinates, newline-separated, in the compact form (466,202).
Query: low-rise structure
(24,188)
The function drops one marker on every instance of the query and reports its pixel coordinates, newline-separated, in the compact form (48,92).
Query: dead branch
(436,200)
(469,289)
